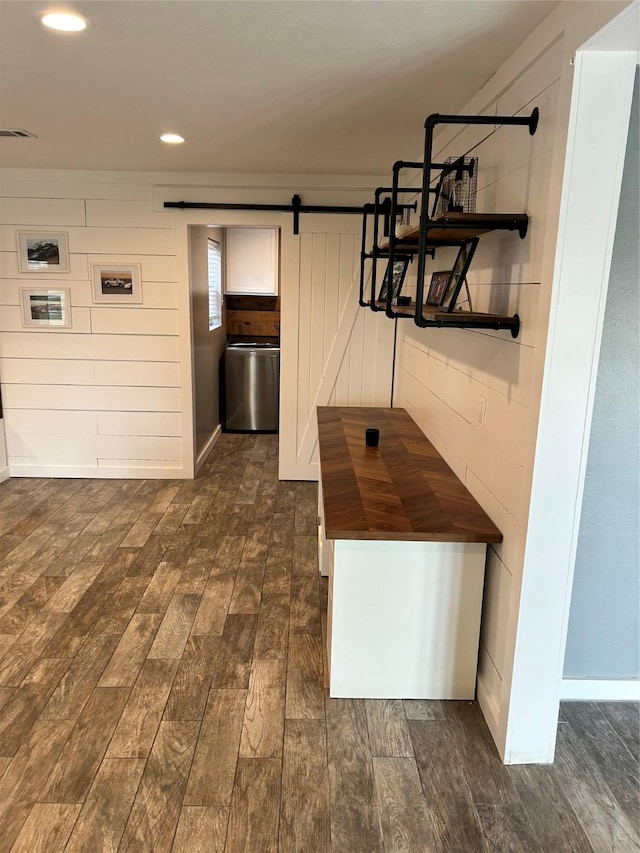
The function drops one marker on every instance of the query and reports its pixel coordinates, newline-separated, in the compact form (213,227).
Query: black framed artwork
(400,267)
(438,286)
(458,274)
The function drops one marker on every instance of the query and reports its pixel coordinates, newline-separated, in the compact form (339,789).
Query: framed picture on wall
(43,251)
(46,307)
(117,283)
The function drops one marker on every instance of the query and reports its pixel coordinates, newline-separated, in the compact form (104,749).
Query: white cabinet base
(404,619)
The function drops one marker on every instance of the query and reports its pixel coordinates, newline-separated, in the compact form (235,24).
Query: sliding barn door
(334,353)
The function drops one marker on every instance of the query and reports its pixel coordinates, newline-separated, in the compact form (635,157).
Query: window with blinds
(215,285)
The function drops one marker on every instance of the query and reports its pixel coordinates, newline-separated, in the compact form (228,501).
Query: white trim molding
(600,690)
(206,450)
(123,472)
(4,468)
(598,121)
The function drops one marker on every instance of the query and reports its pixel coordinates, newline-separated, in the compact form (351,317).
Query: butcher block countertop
(401,490)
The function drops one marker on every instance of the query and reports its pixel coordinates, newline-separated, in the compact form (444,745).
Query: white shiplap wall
(102,398)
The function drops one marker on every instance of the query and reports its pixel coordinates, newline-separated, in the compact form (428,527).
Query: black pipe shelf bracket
(296,208)
(451,228)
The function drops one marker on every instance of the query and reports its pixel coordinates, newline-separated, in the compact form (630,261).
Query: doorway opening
(234,275)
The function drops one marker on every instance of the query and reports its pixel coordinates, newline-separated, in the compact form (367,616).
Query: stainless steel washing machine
(252,387)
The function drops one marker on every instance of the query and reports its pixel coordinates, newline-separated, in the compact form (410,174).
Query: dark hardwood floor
(163,687)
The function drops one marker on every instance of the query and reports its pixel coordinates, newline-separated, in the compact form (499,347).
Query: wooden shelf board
(429,312)
(471,225)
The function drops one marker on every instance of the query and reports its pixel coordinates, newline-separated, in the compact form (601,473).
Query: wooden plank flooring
(163,688)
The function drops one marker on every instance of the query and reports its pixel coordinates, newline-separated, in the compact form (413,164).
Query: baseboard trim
(4,474)
(600,690)
(309,472)
(206,450)
(95,472)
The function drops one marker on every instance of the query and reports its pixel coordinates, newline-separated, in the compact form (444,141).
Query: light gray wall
(207,346)
(604,622)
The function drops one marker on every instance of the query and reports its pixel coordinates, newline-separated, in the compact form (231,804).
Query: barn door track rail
(296,208)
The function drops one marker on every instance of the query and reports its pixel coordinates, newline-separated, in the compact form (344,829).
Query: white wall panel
(509,549)
(489,688)
(348,248)
(332,291)
(505,420)
(340,395)
(133,321)
(145,373)
(332,330)
(499,472)
(79,291)
(139,423)
(138,447)
(159,294)
(356,355)
(51,213)
(24,421)
(304,322)
(408,392)
(113,241)
(11,321)
(377,359)
(522,300)
(497,597)
(41,371)
(40,188)
(91,398)
(156,294)
(501,363)
(126,214)
(66,346)
(9,267)
(138,399)
(58,449)
(319,287)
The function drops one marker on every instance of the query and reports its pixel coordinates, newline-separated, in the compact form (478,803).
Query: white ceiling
(303,86)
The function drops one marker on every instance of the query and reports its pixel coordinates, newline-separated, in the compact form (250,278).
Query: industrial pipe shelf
(436,230)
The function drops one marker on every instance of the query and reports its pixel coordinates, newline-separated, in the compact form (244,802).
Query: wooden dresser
(404,545)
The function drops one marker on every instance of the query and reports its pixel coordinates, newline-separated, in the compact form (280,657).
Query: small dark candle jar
(372,437)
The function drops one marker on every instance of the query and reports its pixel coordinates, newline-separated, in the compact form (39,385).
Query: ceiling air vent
(17,132)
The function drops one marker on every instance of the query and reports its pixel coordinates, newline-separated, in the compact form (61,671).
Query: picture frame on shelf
(116,284)
(458,273)
(46,308)
(43,251)
(400,267)
(438,287)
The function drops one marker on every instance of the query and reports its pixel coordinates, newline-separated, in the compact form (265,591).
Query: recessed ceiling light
(66,22)
(172,138)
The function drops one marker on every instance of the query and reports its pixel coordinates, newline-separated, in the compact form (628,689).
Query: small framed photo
(438,286)
(43,251)
(400,266)
(459,273)
(117,283)
(46,307)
